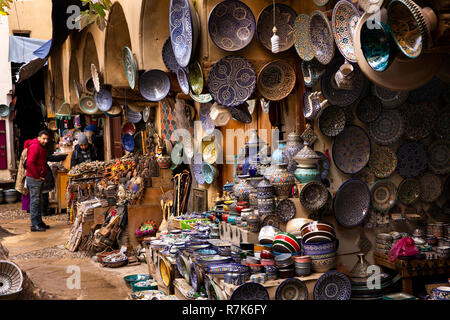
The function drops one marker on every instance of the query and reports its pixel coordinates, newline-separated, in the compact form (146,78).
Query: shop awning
(22,49)
(59,35)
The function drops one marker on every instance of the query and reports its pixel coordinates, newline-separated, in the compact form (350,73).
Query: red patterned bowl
(286,240)
(316,226)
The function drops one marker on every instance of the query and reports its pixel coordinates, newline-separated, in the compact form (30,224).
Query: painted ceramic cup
(344,77)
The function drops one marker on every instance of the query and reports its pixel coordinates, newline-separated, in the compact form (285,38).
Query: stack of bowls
(323,255)
(302,266)
(267,234)
(235,278)
(286,243)
(442,252)
(258,278)
(316,231)
(271,272)
(257,248)
(383,243)
(267,257)
(285,265)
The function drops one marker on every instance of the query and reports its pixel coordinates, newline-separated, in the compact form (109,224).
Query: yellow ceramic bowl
(296,224)
(164,271)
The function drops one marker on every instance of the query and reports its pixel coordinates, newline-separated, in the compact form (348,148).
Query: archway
(74,74)
(90,56)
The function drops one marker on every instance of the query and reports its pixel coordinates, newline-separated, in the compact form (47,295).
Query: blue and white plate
(357,193)
(154,85)
(333,285)
(250,291)
(292,289)
(207,123)
(103,99)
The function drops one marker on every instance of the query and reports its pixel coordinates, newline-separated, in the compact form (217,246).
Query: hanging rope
(275,40)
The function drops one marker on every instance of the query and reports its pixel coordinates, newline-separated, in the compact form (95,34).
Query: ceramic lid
(306,153)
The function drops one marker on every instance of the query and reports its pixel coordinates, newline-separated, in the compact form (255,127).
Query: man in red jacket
(36,173)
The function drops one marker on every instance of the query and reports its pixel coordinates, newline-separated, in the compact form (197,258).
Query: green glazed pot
(306,175)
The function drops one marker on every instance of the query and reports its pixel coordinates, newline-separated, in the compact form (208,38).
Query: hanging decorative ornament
(275,40)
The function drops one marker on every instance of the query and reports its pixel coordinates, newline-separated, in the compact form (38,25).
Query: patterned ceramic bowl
(323,265)
(209,172)
(311,249)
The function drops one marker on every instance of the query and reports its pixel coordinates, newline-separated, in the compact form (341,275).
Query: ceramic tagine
(266,198)
(293,146)
(282,180)
(307,160)
(360,268)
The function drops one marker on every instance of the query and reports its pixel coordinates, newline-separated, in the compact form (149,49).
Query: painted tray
(383,162)
(154,85)
(131,68)
(383,195)
(231,81)
(165,272)
(331,121)
(430,187)
(419,119)
(321,37)
(241,113)
(88,105)
(343,21)
(207,123)
(276,80)
(357,193)
(332,285)
(369,109)
(250,291)
(412,159)
(168,57)
(195,75)
(337,96)
(389,98)
(408,191)
(302,39)
(103,99)
(291,289)
(351,150)
(128,142)
(284,21)
(183,20)
(314,195)
(272,220)
(439,153)
(183,80)
(388,128)
(286,210)
(231,25)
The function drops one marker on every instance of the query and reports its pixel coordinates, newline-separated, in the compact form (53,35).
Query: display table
(410,269)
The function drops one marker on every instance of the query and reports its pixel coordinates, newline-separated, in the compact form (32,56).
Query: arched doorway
(90,56)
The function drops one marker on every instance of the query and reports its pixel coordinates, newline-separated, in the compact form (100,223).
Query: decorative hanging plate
(241,113)
(321,37)
(89,85)
(351,150)
(130,65)
(314,195)
(232,81)
(383,162)
(343,20)
(88,105)
(337,96)
(168,57)
(183,20)
(286,210)
(250,291)
(430,187)
(442,128)
(272,220)
(103,99)
(412,159)
(165,272)
(128,128)
(332,285)
(95,77)
(331,121)
(201,98)
(146,114)
(231,25)
(4,110)
(390,99)
(78,89)
(419,120)
(302,38)
(207,123)
(383,195)
(439,153)
(276,80)
(154,85)
(128,142)
(292,289)
(195,75)
(284,21)
(388,128)
(367,176)
(198,164)
(369,109)
(408,191)
(133,117)
(357,193)
(183,80)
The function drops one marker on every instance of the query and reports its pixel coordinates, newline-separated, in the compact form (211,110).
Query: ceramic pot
(245,213)
(307,173)
(293,146)
(164,161)
(282,180)
(279,155)
(307,157)
(266,198)
(241,205)
(253,223)
(360,268)
(241,188)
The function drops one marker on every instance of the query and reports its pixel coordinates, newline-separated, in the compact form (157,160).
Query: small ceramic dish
(209,172)
(331,121)
(314,195)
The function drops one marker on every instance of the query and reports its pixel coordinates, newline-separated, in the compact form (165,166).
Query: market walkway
(43,256)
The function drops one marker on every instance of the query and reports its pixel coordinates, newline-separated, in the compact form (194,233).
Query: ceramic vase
(293,146)
(266,198)
(279,155)
(253,191)
(360,268)
(305,174)
(164,161)
(282,181)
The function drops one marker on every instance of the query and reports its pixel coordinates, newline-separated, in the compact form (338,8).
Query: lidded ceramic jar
(279,155)
(253,222)
(245,213)
(293,146)
(266,198)
(282,181)
(360,268)
(241,188)
(253,191)
(307,160)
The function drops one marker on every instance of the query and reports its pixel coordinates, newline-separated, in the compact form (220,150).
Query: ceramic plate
(241,113)
(333,285)
(351,150)
(320,3)
(419,119)
(442,128)
(103,99)
(388,128)
(321,37)
(276,80)
(146,114)
(164,272)
(357,193)
(195,75)
(408,191)
(168,57)
(314,195)
(183,30)
(231,25)
(439,153)
(201,98)
(272,220)
(207,123)
(250,291)
(128,142)
(95,78)
(331,121)
(284,21)
(154,85)
(412,159)
(232,81)
(286,210)
(128,128)
(369,109)
(183,80)
(430,187)
(337,96)
(383,162)
(384,195)
(130,67)
(133,117)
(389,98)
(302,39)
(210,153)
(343,20)
(88,105)
(292,289)
(367,176)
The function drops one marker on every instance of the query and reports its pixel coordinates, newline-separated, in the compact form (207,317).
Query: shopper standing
(36,173)
(21,175)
